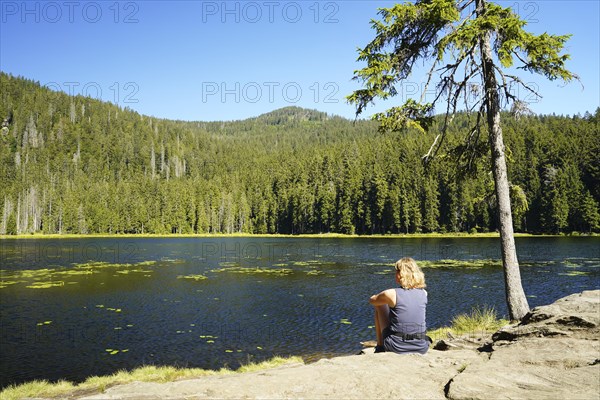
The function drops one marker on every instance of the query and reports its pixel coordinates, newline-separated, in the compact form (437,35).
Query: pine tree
(467,49)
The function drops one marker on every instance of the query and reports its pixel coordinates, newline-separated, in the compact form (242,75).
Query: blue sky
(224,60)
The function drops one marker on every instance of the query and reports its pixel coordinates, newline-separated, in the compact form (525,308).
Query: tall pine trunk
(515,296)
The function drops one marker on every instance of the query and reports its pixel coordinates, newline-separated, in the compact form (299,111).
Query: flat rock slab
(533,369)
(368,376)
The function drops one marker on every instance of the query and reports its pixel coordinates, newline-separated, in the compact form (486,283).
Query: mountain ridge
(286,112)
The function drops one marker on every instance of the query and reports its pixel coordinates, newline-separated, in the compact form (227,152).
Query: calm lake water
(129,308)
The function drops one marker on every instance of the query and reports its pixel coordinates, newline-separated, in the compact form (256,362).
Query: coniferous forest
(79,165)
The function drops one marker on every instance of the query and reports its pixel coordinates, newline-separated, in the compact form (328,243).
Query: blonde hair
(410,275)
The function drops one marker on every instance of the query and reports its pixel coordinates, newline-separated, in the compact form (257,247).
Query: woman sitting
(400,312)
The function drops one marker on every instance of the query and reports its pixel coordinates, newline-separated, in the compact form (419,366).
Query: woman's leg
(382,321)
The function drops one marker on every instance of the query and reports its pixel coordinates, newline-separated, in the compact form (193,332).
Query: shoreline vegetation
(283,236)
(479,322)
(147,373)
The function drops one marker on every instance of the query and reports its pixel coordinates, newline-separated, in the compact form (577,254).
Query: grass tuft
(149,373)
(37,388)
(483,319)
(271,363)
(479,322)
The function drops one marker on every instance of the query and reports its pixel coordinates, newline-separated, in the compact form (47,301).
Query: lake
(71,308)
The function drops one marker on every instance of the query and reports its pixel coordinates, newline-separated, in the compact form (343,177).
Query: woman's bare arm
(387,297)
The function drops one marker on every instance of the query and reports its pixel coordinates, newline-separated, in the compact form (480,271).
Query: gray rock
(369,376)
(553,353)
(533,369)
(578,313)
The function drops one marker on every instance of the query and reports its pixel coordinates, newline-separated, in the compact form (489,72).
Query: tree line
(73,164)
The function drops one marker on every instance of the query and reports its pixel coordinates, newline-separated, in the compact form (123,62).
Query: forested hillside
(79,165)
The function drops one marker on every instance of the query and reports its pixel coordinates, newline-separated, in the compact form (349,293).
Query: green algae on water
(197,277)
(571,264)
(45,285)
(256,271)
(300,263)
(93,265)
(47,278)
(476,263)
(228,264)
(129,271)
(4,284)
(316,272)
(573,273)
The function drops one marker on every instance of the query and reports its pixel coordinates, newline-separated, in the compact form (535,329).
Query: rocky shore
(554,352)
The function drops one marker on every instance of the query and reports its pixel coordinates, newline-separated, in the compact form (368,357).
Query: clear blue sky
(217,60)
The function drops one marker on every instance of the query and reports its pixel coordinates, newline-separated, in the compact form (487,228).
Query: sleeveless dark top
(408,316)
